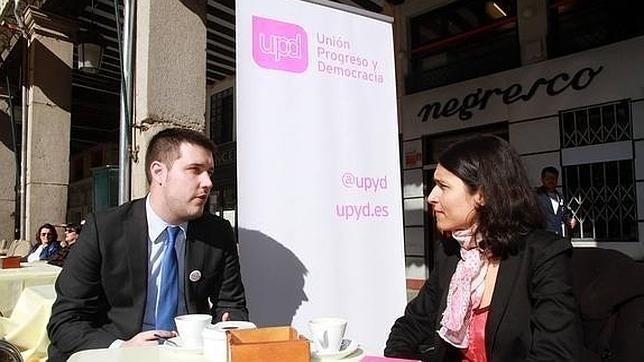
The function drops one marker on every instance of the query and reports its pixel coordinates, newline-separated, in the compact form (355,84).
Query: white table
(136,354)
(14,280)
(161,354)
(27,326)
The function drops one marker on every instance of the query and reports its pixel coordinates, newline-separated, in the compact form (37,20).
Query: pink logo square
(279,45)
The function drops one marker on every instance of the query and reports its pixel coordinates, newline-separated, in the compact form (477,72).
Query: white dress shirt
(156,247)
(555,201)
(35,256)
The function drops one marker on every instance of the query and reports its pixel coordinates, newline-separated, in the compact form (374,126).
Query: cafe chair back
(609,287)
(19,248)
(9,352)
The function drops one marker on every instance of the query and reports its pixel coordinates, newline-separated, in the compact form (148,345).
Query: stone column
(170,74)
(8,174)
(532,18)
(49,77)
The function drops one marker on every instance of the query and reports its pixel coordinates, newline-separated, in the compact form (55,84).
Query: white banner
(319,193)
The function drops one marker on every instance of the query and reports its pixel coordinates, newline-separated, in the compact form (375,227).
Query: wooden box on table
(268,344)
(7,262)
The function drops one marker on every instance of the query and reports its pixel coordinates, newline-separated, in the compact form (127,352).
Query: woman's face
(454,206)
(70,235)
(46,235)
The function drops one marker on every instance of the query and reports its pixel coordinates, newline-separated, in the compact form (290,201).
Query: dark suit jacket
(102,290)
(533,313)
(58,258)
(552,220)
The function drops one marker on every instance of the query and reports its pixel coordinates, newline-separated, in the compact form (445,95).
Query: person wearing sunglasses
(71,235)
(46,244)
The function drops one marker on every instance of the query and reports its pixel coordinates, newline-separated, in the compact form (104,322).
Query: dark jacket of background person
(101,291)
(552,220)
(532,316)
(59,257)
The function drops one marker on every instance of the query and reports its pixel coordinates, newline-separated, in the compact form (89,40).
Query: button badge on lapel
(195,275)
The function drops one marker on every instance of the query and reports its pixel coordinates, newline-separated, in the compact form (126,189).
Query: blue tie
(169,288)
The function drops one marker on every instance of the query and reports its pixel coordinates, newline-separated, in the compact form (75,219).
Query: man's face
(549,181)
(185,186)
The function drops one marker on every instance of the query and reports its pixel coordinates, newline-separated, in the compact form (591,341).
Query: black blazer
(533,313)
(552,220)
(101,292)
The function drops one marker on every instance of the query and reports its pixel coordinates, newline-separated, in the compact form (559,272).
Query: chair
(9,352)
(4,245)
(610,289)
(19,248)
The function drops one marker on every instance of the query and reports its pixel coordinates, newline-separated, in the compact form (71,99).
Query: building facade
(582,113)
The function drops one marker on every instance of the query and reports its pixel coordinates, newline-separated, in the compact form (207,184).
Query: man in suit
(138,265)
(556,215)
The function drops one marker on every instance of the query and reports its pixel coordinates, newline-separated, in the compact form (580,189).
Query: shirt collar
(156,225)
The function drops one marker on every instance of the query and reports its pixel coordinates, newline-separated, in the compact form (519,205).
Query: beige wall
(170,82)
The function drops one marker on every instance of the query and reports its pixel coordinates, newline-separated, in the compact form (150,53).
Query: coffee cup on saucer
(190,326)
(327,333)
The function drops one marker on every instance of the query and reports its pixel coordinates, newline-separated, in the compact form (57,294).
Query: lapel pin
(195,275)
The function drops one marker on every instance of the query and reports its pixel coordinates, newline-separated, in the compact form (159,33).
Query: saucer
(178,346)
(346,348)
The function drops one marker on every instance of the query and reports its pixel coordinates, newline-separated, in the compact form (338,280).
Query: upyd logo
(279,45)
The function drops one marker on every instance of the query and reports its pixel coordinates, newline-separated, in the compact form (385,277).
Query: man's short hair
(165,146)
(549,169)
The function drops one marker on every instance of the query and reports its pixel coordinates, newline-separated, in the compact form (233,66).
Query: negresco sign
(479,99)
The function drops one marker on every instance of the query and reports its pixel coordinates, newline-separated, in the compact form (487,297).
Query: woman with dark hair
(500,288)
(46,243)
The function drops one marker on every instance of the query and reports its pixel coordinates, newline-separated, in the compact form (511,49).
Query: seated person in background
(139,265)
(71,235)
(46,244)
(500,289)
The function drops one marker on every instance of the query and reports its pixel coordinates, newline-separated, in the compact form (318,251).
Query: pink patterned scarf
(465,290)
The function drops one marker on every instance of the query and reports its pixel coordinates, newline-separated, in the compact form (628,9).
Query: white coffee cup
(215,340)
(215,344)
(327,333)
(190,326)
